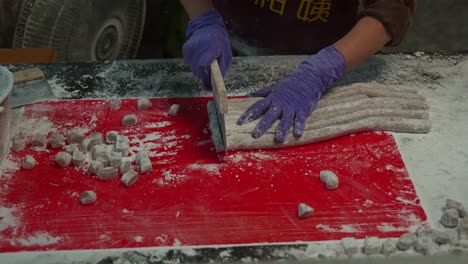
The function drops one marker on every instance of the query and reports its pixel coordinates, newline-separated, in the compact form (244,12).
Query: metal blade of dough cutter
(30,87)
(220,95)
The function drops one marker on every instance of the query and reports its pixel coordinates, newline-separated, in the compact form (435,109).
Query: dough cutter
(218,108)
(30,87)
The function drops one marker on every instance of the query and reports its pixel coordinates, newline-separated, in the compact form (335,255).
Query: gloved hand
(208,40)
(293,97)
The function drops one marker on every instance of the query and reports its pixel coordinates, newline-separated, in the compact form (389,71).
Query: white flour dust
(60,90)
(38,239)
(9,167)
(386,227)
(170,178)
(158,124)
(212,169)
(7,218)
(342,229)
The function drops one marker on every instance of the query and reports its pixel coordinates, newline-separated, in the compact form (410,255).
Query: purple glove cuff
(328,65)
(209,18)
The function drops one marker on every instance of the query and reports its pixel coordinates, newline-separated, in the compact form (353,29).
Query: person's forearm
(195,8)
(366,38)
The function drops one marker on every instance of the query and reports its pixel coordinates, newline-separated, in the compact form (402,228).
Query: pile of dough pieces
(426,241)
(107,153)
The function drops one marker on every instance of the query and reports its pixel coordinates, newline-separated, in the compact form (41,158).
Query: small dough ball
(129,120)
(28,162)
(304,211)
(174,110)
(63,159)
(115,104)
(88,197)
(330,179)
(144,104)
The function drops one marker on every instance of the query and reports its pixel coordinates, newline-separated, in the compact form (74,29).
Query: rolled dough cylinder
(342,111)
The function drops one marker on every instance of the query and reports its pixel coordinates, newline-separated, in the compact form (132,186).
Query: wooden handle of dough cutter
(28,75)
(219,89)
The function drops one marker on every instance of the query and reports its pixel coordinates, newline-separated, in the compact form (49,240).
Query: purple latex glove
(293,97)
(208,40)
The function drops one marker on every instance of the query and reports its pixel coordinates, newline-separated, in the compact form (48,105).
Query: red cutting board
(193,198)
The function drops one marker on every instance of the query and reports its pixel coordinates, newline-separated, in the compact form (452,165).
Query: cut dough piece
(348,110)
(304,211)
(450,218)
(90,141)
(350,245)
(18,143)
(144,104)
(142,154)
(115,104)
(95,166)
(372,245)
(111,137)
(463,228)
(63,159)
(389,247)
(78,158)
(130,177)
(125,166)
(57,141)
(129,120)
(330,179)
(75,137)
(39,140)
(108,173)
(71,148)
(452,204)
(98,151)
(406,241)
(145,165)
(122,145)
(174,110)
(425,246)
(28,162)
(115,159)
(88,197)
(144,161)
(448,236)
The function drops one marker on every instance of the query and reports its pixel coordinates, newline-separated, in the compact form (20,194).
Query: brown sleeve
(395,15)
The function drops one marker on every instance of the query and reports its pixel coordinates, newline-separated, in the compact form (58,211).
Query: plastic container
(6,84)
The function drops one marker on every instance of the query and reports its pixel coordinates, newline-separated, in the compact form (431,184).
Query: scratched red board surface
(194,198)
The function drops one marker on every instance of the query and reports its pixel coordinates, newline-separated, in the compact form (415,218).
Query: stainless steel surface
(30,93)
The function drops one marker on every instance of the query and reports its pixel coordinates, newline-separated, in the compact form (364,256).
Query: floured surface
(191,197)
